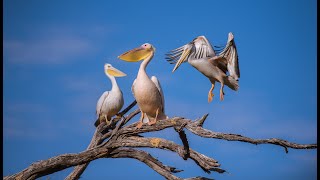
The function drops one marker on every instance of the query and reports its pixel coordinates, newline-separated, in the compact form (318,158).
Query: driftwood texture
(118,140)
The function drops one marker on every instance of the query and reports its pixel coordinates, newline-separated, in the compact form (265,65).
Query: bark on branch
(197,129)
(118,140)
(146,158)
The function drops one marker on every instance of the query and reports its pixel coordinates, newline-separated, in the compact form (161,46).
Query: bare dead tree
(118,140)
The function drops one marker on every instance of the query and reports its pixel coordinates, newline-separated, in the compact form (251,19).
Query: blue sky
(54,52)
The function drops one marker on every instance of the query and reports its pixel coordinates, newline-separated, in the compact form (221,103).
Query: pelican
(223,67)
(110,102)
(147,91)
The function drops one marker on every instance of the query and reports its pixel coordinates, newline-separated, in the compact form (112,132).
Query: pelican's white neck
(143,65)
(113,82)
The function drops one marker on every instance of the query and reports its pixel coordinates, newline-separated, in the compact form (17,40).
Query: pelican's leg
(101,119)
(141,120)
(210,94)
(221,92)
(155,119)
(118,115)
(106,119)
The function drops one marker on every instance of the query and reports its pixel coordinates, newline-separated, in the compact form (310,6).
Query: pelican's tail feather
(145,118)
(232,83)
(162,116)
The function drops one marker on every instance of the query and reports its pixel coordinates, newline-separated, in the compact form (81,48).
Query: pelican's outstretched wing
(198,48)
(157,83)
(101,102)
(179,54)
(230,54)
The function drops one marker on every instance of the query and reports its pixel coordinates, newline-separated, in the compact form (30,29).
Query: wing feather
(198,47)
(231,55)
(157,83)
(100,102)
(174,55)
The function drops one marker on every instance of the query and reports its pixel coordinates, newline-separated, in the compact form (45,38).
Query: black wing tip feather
(173,55)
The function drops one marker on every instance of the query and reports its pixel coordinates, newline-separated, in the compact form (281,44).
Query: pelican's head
(112,71)
(138,54)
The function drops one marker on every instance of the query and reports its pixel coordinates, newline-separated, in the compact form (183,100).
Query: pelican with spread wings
(147,91)
(110,102)
(223,67)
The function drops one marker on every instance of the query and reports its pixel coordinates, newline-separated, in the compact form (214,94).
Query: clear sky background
(54,52)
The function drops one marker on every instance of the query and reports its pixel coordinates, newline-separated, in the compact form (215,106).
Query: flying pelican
(147,92)
(110,102)
(200,54)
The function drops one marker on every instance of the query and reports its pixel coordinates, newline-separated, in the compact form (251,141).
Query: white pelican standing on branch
(110,102)
(200,54)
(147,92)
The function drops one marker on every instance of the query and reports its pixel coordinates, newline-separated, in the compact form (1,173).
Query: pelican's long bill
(183,56)
(135,55)
(113,71)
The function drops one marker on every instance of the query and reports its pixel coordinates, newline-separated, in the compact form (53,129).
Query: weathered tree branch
(206,163)
(98,138)
(146,158)
(78,170)
(58,163)
(115,140)
(150,161)
(183,137)
(196,128)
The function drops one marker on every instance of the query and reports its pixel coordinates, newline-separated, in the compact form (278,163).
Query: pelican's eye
(146,46)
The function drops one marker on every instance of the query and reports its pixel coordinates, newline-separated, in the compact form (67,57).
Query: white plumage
(110,102)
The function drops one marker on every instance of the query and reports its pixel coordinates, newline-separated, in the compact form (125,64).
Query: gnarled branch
(118,140)
(198,130)
(146,158)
